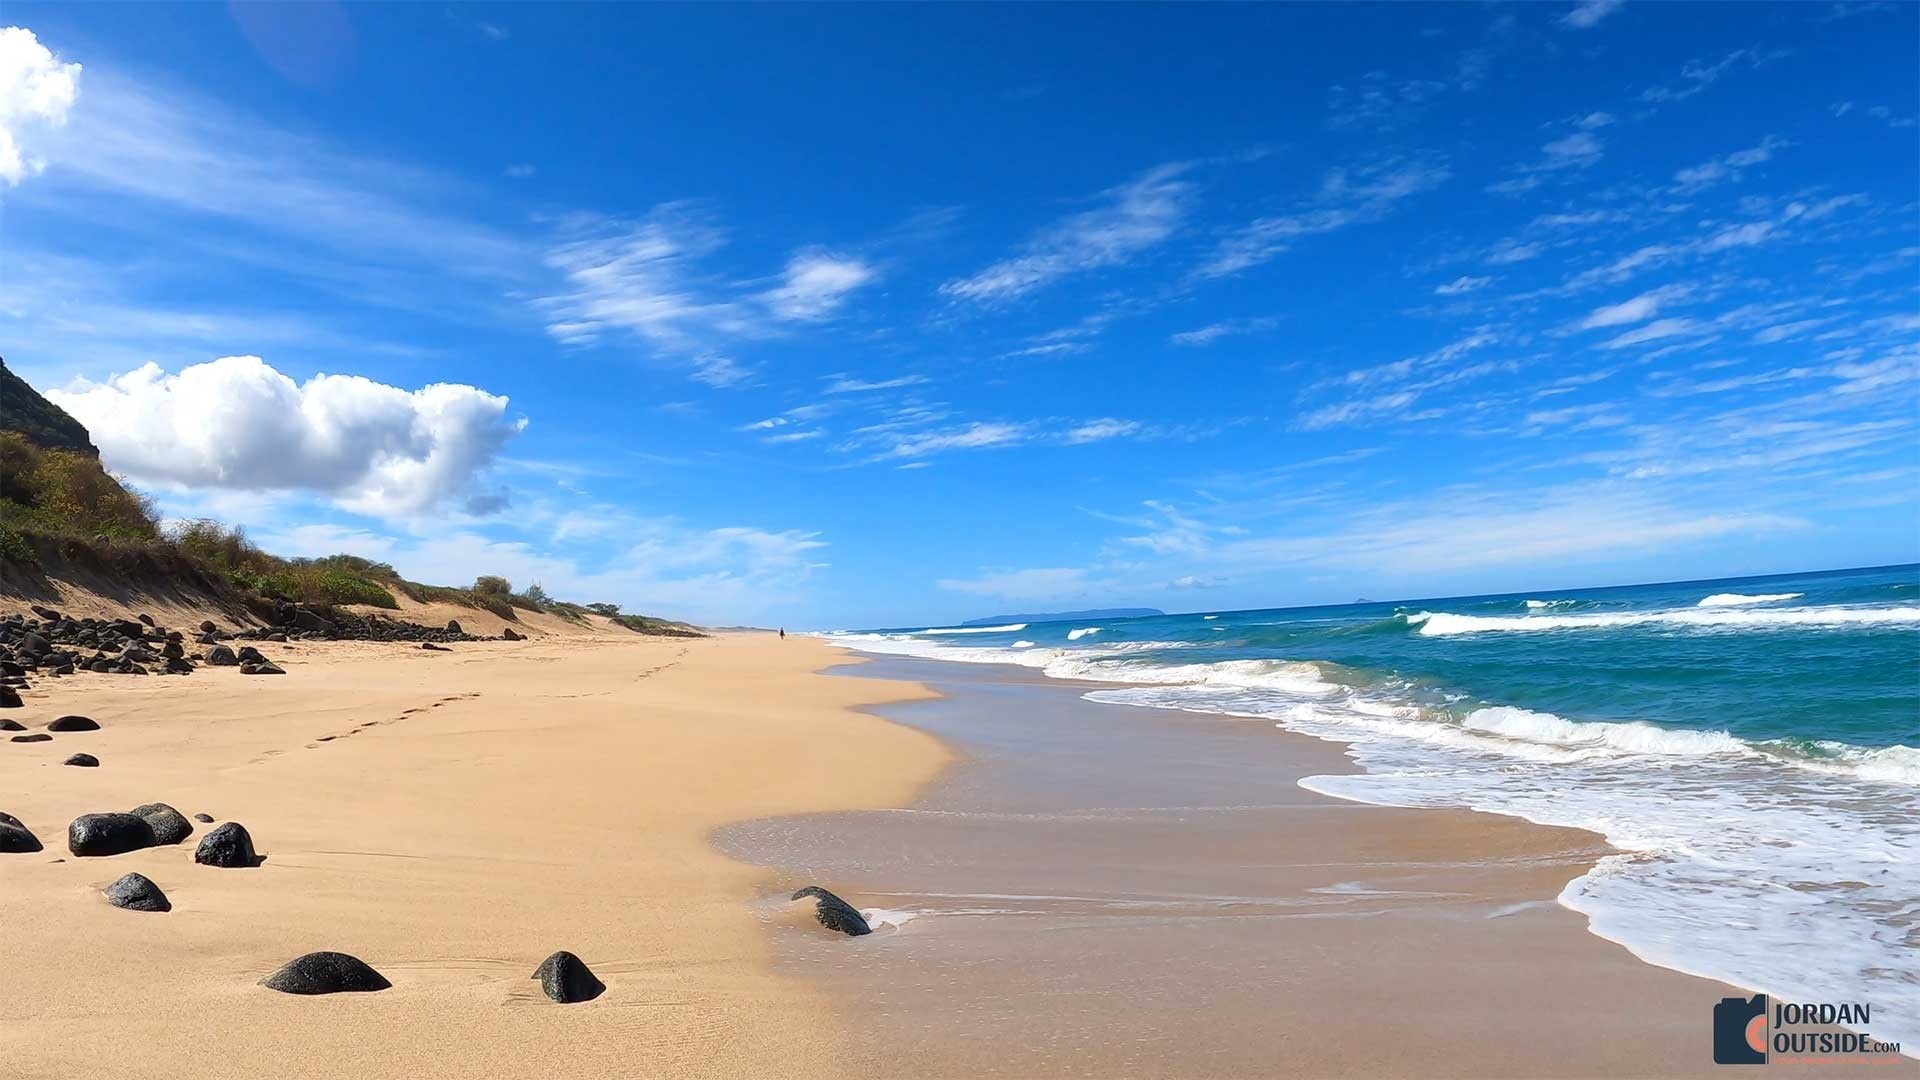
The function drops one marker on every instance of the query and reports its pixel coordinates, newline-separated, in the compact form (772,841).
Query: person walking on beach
(783,633)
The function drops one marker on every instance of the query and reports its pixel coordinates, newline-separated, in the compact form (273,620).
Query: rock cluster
(293,622)
(54,644)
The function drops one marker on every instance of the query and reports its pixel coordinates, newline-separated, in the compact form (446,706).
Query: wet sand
(1107,891)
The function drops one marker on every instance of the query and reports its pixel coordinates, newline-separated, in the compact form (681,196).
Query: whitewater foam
(1441,623)
(1734,599)
(1085,631)
(1013,629)
(1541,605)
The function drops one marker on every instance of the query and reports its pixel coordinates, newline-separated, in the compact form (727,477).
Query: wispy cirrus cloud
(1588,13)
(1346,196)
(816,283)
(1643,306)
(1130,220)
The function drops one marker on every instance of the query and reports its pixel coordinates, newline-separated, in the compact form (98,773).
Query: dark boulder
(204,819)
(565,979)
(251,655)
(453,627)
(431,647)
(173,650)
(263,667)
(835,913)
(307,620)
(63,669)
(148,619)
(74,723)
(11,725)
(35,737)
(325,973)
(221,656)
(169,825)
(9,699)
(15,838)
(108,834)
(33,645)
(85,761)
(228,845)
(137,892)
(207,626)
(507,634)
(178,666)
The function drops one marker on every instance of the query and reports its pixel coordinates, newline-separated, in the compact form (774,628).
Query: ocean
(1751,745)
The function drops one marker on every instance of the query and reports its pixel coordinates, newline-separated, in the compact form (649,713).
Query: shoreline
(1428,904)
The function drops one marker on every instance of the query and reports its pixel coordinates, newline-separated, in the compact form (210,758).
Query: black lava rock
(36,737)
(507,634)
(565,979)
(12,725)
(74,723)
(835,913)
(431,647)
(108,834)
(137,892)
(325,973)
(204,819)
(453,626)
(228,845)
(9,699)
(85,761)
(221,656)
(249,654)
(264,667)
(15,838)
(169,825)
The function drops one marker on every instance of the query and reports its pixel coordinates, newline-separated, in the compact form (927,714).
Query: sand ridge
(452,819)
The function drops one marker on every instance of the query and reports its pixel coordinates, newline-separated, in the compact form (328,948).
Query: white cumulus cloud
(36,91)
(236,423)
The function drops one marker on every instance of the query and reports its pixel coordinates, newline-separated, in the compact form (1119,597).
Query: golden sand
(451,819)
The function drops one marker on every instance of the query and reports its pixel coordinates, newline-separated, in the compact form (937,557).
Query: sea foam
(1734,599)
(1440,623)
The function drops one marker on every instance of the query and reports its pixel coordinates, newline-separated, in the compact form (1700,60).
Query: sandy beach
(1074,889)
(450,818)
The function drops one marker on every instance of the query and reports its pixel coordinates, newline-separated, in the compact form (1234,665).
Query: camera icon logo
(1740,1031)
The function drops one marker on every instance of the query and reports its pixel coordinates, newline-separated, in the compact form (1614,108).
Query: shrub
(489,585)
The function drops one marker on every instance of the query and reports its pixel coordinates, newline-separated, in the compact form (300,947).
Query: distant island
(1064,616)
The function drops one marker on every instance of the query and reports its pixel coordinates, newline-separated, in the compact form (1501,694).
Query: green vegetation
(66,494)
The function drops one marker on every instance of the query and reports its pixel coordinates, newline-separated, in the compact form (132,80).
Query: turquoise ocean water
(1750,744)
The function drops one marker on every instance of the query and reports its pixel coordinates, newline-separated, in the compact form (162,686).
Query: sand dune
(451,818)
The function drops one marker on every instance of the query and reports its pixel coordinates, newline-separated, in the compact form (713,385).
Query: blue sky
(853,316)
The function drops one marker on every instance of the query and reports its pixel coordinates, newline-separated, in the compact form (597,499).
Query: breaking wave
(1734,599)
(1440,623)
